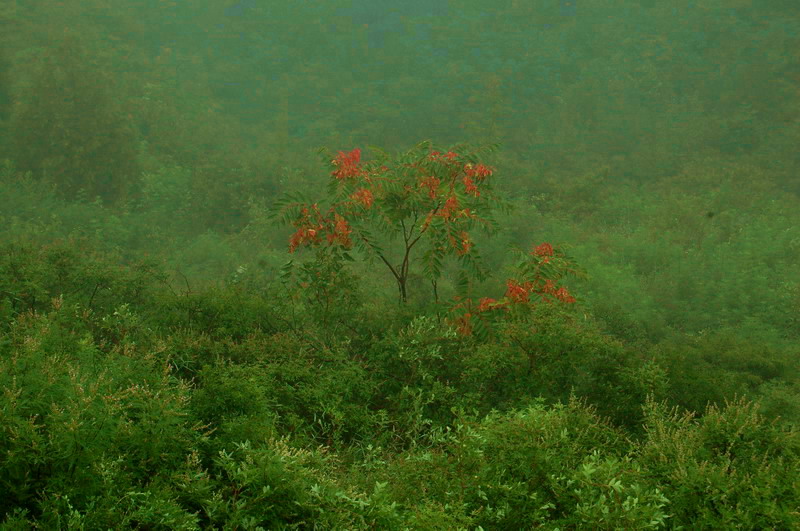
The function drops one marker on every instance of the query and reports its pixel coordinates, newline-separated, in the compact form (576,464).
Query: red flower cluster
(312,226)
(469,184)
(487,303)
(544,249)
(464,244)
(305,235)
(449,208)
(437,155)
(516,292)
(521,292)
(341,232)
(363,196)
(432,184)
(347,164)
(479,171)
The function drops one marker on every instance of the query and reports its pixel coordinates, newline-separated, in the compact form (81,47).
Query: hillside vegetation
(574,307)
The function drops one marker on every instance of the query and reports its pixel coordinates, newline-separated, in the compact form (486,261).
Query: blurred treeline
(156,373)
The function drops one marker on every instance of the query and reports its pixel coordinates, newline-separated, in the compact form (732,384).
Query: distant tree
(67,127)
(422,203)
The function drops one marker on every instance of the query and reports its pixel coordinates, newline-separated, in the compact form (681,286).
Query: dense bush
(128,404)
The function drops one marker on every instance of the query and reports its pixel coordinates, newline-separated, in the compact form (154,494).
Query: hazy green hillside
(545,274)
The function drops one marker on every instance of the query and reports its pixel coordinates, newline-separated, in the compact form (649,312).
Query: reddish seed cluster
(470,187)
(563,295)
(437,155)
(463,244)
(347,165)
(449,208)
(473,175)
(478,171)
(363,196)
(518,292)
(314,228)
(432,184)
(521,292)
(341,232)
(487,303)
(544,249)
(304,235)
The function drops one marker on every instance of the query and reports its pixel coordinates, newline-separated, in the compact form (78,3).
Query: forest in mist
(428,264)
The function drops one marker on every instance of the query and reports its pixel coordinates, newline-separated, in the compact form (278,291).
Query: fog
(418,265)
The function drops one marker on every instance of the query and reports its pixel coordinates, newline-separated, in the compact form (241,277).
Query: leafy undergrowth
(127,404)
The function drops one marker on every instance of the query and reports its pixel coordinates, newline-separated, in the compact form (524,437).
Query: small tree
(425,202)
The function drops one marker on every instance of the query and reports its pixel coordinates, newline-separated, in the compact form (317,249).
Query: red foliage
(544,249)
(304,235)
(479,171)
(563,295)
(432,184)
(314,228)
(517,292)
(450,206)
(469,184)
(464,244)
(347,165)
(447,157)
(464,324)
(363,196)
(487,303)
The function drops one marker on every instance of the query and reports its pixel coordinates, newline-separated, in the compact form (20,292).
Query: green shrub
(31,276)
(731,468)
(506,471)
(278,486)
(67,408)
(713,367)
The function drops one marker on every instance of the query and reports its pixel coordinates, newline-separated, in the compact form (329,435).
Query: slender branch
(91,299)
(414,242)
(407,233)
(383,259)
(424,229)
(186,280)
(404,267)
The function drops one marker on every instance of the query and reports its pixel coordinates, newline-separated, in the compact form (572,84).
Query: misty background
(166,363)
(659,140)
